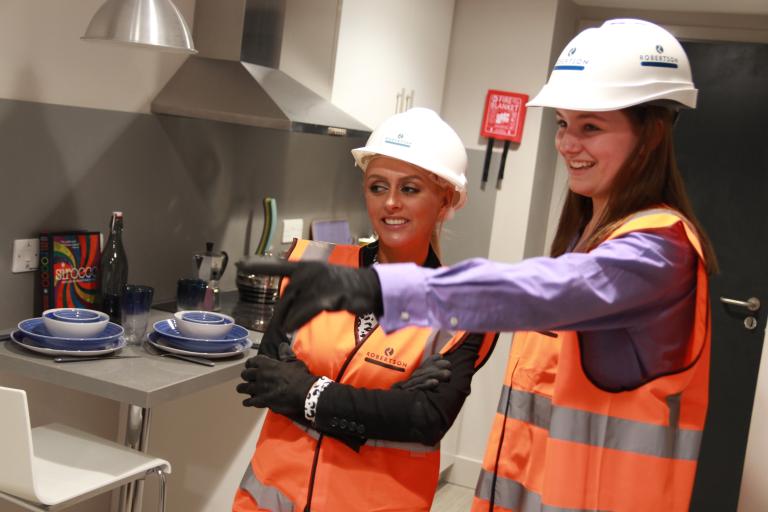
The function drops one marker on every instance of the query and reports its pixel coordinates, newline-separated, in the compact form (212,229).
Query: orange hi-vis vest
(296,468)
(559,442)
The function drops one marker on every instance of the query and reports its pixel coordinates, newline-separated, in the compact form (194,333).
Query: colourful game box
(69,269)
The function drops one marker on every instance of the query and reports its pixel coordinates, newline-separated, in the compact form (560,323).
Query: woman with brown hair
(605,394)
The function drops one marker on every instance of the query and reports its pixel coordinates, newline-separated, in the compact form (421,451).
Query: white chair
(54,466)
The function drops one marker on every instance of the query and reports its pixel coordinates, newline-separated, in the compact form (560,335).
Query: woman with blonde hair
(356,415)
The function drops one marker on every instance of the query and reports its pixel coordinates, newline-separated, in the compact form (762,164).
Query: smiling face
(404,204)
(595,146)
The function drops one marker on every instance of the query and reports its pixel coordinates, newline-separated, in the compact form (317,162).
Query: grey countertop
(143,381)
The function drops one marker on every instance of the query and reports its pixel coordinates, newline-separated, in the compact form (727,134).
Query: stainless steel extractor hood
(235,78)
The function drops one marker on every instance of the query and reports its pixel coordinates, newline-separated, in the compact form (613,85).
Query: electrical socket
(292,228)
(25,255)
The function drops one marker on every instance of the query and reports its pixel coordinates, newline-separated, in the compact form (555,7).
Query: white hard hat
(419,137)
(623,63)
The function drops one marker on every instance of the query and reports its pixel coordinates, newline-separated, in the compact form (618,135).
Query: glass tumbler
(191,294)
(135,303)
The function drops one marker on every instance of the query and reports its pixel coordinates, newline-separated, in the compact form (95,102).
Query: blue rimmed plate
(22,340)
(35,331)
(168,330)
(161,343)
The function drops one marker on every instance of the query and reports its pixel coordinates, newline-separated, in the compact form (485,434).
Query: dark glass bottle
(113,269)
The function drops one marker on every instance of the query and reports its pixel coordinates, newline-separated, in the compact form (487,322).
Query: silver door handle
(752,303)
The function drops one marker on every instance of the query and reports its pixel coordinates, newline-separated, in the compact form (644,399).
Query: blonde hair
(434,240)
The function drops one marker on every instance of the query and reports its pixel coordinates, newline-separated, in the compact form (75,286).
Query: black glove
(317,287)
(282,385)
(271,341)
(428,376)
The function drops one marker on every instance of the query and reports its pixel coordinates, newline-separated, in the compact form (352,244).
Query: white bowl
(200,324)
(74,322)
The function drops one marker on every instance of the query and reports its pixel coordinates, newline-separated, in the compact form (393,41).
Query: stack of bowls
(203,332)
(72,329)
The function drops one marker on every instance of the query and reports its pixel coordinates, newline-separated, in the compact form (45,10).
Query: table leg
(136,437)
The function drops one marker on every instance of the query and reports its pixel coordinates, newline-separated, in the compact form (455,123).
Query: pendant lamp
(152,23)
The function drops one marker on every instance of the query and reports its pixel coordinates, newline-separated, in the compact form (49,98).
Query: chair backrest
(16,445)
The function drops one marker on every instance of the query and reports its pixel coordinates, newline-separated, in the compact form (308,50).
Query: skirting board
(462,472)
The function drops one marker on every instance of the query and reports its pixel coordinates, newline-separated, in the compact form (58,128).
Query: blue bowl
(37,333)
(168,330)
(206,317)
(73,315)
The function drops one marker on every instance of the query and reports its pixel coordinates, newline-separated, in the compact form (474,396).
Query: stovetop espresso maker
(210,267)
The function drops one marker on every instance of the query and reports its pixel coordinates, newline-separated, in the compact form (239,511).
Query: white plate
(18,338)
(157,341)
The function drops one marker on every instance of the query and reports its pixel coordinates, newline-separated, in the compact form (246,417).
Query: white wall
(44,60)
(508,45)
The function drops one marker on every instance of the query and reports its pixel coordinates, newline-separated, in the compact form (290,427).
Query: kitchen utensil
(75,322)
(191,359)
(78,359)
(168,330)
(20,339)
(76,314)
(157,344)
(206,317)
(134,311)
(37,334)
(190,294)
(268,231)
(210,267)
(190,325)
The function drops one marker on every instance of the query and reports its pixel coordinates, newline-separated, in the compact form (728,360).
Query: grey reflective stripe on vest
(514,496)
(377,443)
(410,447)
(267,497)
(593,429)
(314,434)
(317,251)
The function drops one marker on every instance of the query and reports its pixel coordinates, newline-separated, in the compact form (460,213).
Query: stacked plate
(200,333)
(70,331)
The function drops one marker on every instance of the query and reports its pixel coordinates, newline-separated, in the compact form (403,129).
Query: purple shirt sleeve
(614,286)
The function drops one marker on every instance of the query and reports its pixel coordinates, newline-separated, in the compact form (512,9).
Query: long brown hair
(649,178)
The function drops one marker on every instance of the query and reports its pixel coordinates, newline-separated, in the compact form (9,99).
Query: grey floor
(452,498)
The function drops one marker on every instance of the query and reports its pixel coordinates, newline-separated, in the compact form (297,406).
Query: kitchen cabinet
(391,56)
(370,58)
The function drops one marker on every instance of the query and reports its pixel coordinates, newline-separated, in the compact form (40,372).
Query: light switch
(292,228)
(25,255)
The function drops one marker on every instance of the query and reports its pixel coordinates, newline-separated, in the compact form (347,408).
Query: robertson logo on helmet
(659,61)
(570,63)
(400,140)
